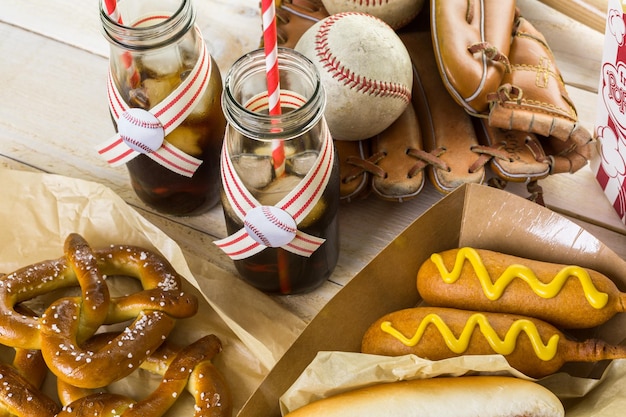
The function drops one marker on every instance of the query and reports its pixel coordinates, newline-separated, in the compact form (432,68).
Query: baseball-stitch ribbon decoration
(287,213)
(157,122)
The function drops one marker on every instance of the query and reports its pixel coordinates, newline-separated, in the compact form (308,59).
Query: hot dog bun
(467,396)
(567,296)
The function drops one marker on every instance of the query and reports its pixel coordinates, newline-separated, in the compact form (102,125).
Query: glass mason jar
(300,197)
(155,49)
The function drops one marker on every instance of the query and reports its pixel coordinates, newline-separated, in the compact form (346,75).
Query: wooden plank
(579,196)
(589,13)
(230,27)
(72,23)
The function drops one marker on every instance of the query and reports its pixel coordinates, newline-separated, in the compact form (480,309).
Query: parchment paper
(38,211)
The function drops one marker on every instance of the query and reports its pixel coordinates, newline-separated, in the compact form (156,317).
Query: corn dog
(567,296)
(532,346)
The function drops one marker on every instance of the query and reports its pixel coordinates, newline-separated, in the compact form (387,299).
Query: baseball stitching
(141,123)
(136,143)
(276,221)
(333,65)
(258,234)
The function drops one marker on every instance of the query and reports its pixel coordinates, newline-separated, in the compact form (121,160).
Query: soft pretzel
(29,362)
(68,322)
(21,330)
(69,361)
(31,366)
(67,339)
(18,397)
(189,367)
(206,383)
(19,386)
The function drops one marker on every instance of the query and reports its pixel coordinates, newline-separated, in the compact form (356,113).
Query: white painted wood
(230,28)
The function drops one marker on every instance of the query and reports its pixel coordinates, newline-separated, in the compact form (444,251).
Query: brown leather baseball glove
(502,71)
(471,39)
(532,95)
(448,134)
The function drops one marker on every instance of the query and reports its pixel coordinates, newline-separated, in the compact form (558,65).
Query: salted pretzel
(21,381)
(69,321)
(161,284)
(19,397)
(206,383)
(187,368)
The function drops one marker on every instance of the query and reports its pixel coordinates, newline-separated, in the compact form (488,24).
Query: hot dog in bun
(467,396)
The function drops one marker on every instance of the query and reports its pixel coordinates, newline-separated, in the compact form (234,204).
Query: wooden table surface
(54,112)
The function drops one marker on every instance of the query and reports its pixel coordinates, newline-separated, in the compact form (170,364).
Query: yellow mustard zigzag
(494,290)
(460,345)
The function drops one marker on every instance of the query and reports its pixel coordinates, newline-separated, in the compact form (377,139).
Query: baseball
(140,130)
(364,68)
(270,226)
(396,13)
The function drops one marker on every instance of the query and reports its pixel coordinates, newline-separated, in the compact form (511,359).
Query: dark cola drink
(155,47)
(278,271)
(281,217)
(201,136)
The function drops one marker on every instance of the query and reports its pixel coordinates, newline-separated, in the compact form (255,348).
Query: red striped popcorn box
(610,168)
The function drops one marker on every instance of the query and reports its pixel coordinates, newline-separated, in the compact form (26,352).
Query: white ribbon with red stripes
(170,112)
(298,203)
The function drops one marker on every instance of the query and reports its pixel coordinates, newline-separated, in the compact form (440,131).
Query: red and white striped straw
(127,59)
(114,14)
(270,43)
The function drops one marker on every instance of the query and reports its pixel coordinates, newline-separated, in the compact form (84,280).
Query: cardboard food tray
(474,215)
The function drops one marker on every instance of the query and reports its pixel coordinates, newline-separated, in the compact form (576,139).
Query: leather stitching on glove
(364,165)
(430,158)
(491,52)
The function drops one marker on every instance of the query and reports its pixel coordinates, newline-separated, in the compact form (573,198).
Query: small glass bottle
(154,48)
(308,188)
